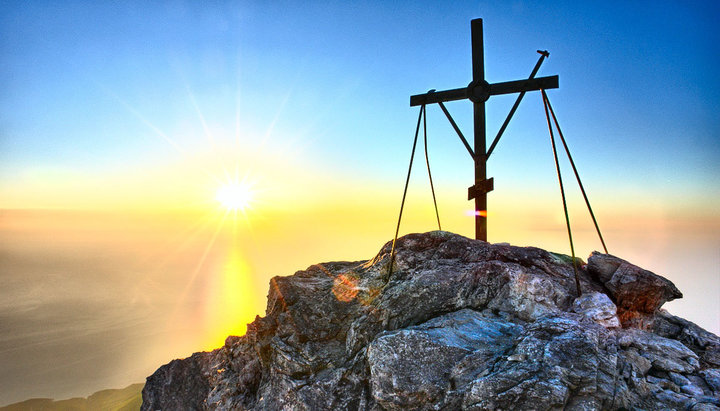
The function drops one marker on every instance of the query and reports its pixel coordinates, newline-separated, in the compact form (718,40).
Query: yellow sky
(342,223)
(164,213)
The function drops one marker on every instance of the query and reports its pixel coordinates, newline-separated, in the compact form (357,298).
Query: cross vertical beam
(478,70)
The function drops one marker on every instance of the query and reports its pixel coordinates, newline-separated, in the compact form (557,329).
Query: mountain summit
(458,324)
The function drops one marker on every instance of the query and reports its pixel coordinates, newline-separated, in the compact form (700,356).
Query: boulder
(636,292)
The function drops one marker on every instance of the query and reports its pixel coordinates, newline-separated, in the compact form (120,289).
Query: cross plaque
(479,91)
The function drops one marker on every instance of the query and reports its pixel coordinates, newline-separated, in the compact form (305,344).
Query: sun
(235,196)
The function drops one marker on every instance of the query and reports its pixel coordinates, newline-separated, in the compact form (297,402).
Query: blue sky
(638,82)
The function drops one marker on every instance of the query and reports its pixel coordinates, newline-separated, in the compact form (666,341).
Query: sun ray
(143,120)
(189,234)
(199,265)
(238,99)
(276,118)
(206,129)
(199,226)
(201,117)
(159,133)
(311,133)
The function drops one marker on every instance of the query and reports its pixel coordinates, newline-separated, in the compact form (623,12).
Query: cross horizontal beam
(493,89)
(481,188)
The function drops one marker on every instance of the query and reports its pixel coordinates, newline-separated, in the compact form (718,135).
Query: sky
(119,121)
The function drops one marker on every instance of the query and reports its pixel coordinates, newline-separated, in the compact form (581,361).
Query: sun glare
(234,196)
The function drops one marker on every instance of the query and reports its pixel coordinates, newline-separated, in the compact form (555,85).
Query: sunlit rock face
(458,324)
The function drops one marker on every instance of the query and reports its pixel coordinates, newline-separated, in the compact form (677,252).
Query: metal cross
(479,91)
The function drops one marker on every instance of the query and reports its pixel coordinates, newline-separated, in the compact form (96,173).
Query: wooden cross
(479,91)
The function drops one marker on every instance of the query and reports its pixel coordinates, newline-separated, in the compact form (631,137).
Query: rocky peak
(457,324)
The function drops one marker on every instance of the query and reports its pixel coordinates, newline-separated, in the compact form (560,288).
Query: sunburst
(235,196)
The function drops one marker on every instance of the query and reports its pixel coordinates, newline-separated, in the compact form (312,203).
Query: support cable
(562,193)
(577,176)
(407,182)
(543,55)
(427,162)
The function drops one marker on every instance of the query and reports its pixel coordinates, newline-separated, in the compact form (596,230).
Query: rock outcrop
(459,324)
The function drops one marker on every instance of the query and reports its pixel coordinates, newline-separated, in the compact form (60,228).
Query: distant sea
(88,304)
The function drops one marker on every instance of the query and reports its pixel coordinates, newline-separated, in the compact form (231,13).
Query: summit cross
(479,91)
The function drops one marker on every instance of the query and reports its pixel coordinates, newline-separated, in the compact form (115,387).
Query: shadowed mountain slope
(126,399)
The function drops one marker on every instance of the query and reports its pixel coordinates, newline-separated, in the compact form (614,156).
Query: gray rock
(662,383)
(428,355)
(664,354)
(598,308)
(637,365)
(180,384)
(712,379)
(562,357)
(458,324)
(708,405)
(678,379)
(692,390)
(670,399)
(703,343)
